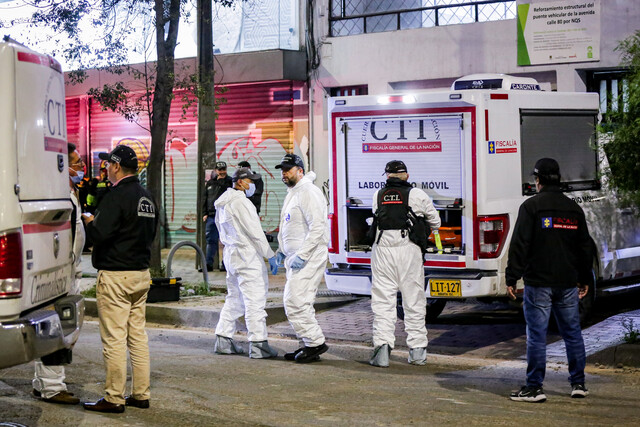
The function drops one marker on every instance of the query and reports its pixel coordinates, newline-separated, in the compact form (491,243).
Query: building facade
(383,47)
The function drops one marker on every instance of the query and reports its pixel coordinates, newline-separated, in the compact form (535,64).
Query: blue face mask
(251,190)
(76,179)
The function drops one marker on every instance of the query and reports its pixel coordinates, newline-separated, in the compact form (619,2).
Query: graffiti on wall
(181,174)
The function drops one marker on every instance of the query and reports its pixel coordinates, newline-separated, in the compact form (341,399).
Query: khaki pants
(121,297)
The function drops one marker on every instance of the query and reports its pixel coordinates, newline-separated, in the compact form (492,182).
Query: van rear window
(567,136)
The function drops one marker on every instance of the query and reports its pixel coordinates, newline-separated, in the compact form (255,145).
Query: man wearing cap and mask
(256,199)
(551,250)
(303,240)
(213,189)
(397,265)
(245,246)
(122,232)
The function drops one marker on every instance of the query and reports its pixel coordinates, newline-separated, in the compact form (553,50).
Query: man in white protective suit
(303,240)
(48,381)
(397,265)
(245,246)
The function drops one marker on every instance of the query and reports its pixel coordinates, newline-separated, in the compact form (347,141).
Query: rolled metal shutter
(256,124)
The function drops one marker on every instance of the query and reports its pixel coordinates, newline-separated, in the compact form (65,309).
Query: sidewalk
(203,311)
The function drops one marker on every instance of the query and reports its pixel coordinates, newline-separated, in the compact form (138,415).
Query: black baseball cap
(221,165)
(395,166)
(244,164)
(546,167)
(122,154)
(242,173)
(289,161)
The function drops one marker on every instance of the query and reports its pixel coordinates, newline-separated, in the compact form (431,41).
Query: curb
(202,318)
(622,354)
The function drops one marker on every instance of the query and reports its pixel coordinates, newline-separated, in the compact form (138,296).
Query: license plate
(50,284)
(445,288)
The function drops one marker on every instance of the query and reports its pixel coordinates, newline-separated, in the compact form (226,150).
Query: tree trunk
(162,96)
(206,109)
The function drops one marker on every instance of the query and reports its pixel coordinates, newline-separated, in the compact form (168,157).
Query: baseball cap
(221,165)
(242,173)
(122,154)
(244,164)
(546,167)
(395,166)
(289,161)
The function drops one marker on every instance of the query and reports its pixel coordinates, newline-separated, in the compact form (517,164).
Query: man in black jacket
(122,232)
(213,189)
(551,250)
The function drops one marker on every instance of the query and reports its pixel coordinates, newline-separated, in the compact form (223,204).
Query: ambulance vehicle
(37,317)
(472,150)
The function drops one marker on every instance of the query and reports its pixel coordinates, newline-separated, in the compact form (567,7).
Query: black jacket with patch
(213,189)
(123,228)
(550,246)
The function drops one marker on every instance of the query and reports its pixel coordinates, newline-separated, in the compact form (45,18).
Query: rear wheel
(434,308)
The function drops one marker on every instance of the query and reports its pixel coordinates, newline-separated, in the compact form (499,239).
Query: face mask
(251,190)
(76,179)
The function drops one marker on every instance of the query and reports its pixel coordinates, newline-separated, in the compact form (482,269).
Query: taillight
(333,242)
(10,264)
(492,232)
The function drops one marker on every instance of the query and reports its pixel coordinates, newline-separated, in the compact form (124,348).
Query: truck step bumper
(41,332)
(473,283)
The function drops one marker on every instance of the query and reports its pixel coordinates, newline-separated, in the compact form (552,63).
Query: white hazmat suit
(245,247)
(304,232)
(397,265)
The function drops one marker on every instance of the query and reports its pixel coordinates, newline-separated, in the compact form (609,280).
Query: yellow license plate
(445,288)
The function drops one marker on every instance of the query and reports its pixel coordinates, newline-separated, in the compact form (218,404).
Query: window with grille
(349,90)
(613,87)
(350,17)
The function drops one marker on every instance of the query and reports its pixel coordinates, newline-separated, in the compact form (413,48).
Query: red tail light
(333,242)
(10,264)
(492,233)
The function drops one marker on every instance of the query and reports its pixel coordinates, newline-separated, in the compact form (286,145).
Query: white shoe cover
(261,350)
(380,356)
(224,345)
(418,356)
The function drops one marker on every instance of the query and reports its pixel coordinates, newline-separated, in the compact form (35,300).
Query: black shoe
(311,354)
(293,354)
(529,394)
(104,406)
(579,391)
(63,397)
(138,403)
(222,267)
(209,268)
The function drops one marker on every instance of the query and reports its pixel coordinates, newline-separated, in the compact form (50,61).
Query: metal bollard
(203,260)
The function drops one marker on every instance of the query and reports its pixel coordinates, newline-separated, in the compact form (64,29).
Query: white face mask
(76,179)
(251,190)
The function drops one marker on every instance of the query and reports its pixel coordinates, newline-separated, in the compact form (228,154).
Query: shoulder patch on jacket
(146,208)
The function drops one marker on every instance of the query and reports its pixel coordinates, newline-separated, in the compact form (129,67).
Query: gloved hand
(273,265)
(297,263)
(280,257)
(436,237)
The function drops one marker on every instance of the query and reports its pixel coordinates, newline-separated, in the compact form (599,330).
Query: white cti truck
(472,150)
(37,318)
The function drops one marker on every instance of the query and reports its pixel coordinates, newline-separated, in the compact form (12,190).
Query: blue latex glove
(297,263)
(273,265)
(280,257)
